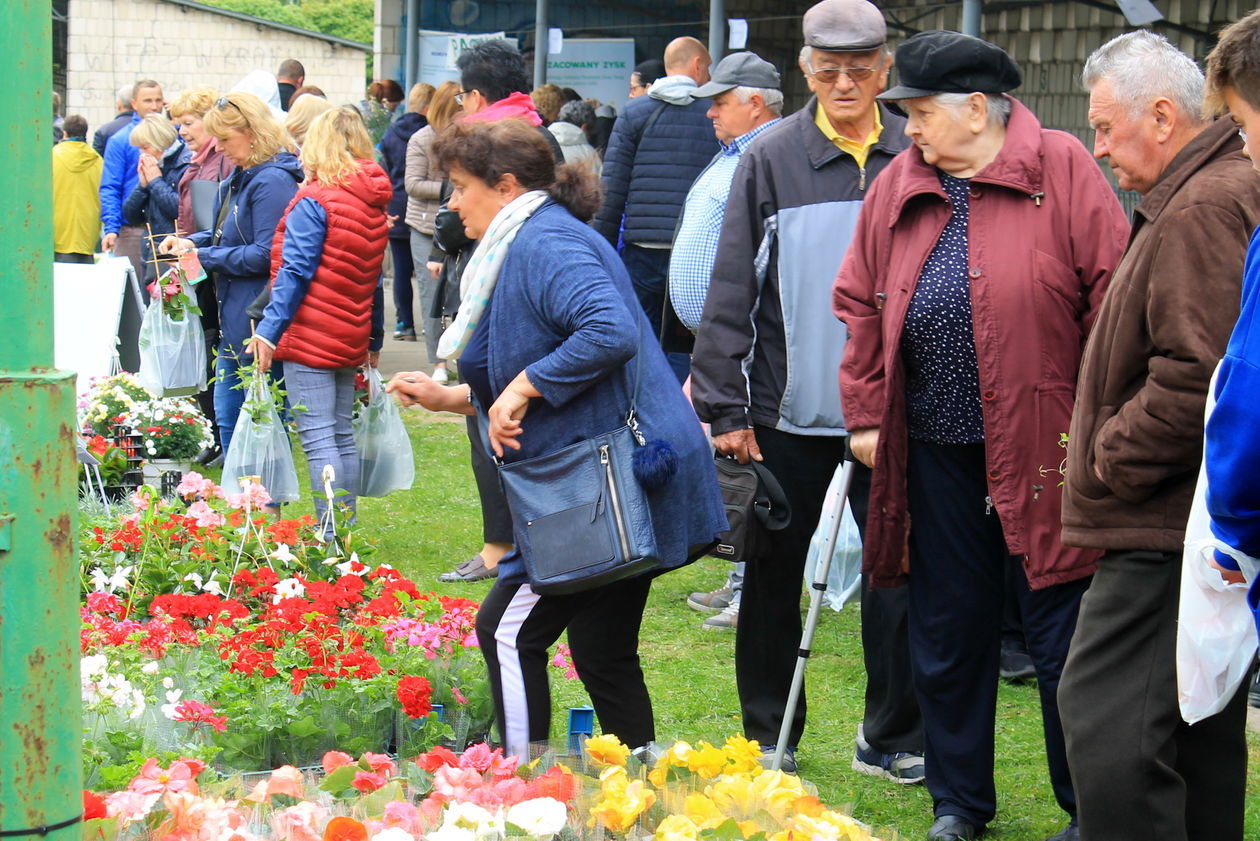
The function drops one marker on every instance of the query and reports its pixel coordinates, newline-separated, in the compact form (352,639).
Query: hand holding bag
(260,446)
(582,516)
(755,506)
(172,353)
(386,463)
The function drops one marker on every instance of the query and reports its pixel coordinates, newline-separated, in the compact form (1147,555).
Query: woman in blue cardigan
(549,337)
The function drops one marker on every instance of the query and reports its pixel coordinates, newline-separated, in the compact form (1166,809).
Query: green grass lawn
(690,671)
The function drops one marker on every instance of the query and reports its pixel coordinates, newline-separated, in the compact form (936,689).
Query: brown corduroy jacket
(1163,326)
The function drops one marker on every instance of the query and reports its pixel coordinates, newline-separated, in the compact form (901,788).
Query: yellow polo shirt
(857,149)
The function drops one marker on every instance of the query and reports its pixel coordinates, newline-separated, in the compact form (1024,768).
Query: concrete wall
(113,42)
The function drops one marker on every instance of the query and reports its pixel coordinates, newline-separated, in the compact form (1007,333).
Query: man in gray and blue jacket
(766,363)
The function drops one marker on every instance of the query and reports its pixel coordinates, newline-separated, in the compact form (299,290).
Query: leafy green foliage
(351,19)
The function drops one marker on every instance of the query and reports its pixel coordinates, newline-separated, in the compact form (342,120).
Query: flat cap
(839,26)
(739,70)
(939,61)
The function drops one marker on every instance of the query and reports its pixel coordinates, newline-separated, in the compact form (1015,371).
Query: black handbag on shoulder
(755,506)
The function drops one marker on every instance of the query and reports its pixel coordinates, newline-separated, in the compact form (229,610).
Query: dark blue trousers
(958,567)
(649,272)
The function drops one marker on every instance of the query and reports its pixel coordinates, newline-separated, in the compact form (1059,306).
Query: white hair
(1143,67)
(772,98)
(125,94)
(999,106)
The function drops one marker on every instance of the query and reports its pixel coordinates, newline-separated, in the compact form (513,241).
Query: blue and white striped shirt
(695,246)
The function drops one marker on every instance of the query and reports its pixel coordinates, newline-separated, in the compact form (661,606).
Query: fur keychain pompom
(655,463)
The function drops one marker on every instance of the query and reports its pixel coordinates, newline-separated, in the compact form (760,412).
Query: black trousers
(516,626)
(958,568)
(404,289)
(768,635)
(72,257)
(1141,772)
(496,517)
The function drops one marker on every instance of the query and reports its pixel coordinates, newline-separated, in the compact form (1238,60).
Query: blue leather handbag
(582,517)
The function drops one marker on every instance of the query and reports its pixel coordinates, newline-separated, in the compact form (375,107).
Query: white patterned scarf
(482,272)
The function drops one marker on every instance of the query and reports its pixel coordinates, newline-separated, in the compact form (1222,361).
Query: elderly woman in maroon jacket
(978,264)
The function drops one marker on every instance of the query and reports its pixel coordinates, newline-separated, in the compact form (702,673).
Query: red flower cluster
(414,693)
(199,714)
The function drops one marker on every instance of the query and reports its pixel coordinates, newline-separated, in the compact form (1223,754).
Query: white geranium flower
(470,816)
(150,668)
(93,665)
(541,817)
(110,583)
(284,554)
(172,701)
(393,833)
(168,683)
(288,588)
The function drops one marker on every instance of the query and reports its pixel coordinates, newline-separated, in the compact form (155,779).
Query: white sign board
(594,67)
(87,303)
(438,51)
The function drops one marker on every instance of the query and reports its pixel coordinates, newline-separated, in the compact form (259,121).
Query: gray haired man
(1136,440)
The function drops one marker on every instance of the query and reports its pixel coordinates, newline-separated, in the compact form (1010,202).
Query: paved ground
(395,355)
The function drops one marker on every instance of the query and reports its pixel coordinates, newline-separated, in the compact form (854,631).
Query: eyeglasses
(831,75)
(1243,135)
(224,102)
(459,97)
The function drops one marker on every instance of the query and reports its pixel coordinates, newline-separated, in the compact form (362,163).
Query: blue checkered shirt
(696,244)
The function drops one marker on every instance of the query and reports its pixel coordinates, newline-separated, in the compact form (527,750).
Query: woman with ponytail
(550,339)
(325,315)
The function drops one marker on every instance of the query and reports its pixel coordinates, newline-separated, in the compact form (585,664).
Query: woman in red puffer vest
(325,270)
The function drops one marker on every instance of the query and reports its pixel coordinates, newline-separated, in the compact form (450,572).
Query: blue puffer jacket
(646,178)
(157,205)
(119,177)
(238,253)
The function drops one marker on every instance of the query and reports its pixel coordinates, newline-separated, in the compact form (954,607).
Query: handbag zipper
(615,501)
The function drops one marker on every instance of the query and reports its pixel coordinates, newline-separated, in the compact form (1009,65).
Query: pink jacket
(1045,234)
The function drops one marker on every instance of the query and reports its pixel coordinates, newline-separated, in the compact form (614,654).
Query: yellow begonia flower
(659,775)
(703,812)
(677,828)
(677,754)
(834,826)
(607,750)
(743,754)
(621,807)
(748,828)
(707,761)
(777,792)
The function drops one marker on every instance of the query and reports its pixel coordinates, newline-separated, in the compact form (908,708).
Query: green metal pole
(40,710)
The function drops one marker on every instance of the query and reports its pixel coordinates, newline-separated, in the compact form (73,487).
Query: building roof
(271,24)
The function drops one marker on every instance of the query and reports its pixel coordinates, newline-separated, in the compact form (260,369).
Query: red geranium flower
(415,694)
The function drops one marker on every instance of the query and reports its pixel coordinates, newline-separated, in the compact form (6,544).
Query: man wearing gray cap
(766,362)
(746,102)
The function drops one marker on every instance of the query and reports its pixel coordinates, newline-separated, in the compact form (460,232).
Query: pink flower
(140,500)
(205,516)
(482,758)
(380,763)
(403,815)
(335,759)
(195,485)
(457,783)
(459,696)
(129,806)
(255,496)
(301,822)
(366,782)
(154,779)
(284,780)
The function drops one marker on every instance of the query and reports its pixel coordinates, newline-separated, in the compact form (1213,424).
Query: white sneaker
(727,620)
(440,375)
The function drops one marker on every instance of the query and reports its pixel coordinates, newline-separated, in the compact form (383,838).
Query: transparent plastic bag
(845,576)
(260,446)
(386,463)
(172,353)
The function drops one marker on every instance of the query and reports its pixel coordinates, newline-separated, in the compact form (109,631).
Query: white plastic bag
(260,446)
(1216,630)
(386,463)
(172,353)
(844,579)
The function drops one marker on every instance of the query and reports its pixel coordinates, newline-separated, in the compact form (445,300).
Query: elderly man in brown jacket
(1134,449)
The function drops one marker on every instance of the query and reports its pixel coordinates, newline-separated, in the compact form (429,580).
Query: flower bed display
(688,794)
(212,632)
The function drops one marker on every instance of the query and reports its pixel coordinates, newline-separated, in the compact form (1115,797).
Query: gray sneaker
(902,768)
(727,620)
(473,569)
(713,601)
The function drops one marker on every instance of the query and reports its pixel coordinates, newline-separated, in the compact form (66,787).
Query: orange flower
(345,829)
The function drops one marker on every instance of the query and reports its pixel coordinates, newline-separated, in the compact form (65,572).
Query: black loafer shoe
(1071,832)
(208,454)
(952,828)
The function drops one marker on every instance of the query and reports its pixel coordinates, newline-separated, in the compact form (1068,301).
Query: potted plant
(172,432)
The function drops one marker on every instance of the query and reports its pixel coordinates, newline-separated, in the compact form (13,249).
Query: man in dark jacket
(122,102)
(765,370)
(659,144)
(1134,450)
